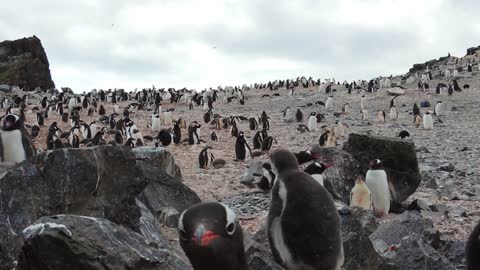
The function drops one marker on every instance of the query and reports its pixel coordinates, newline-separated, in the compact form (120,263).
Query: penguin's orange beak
(204,237)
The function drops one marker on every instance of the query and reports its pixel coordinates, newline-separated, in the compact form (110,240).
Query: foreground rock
(76,242)
(24,63)
(102,182)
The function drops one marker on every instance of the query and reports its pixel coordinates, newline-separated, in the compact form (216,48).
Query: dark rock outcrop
(24,63)
(76,242)
(472,50)
(399,159)
(102,182)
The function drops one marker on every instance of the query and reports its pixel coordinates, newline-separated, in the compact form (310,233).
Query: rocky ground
(448,155)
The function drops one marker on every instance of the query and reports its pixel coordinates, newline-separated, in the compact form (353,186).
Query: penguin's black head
(11,122)
(210,232)
(282,161)
(376,164)
(241,134)
(321,167)
(336,122)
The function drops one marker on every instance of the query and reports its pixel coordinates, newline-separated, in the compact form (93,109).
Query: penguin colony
(206,228)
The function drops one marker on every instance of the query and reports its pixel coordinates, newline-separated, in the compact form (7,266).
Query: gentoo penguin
(253,123)
(258,139)
(338,129)
(380,117)
(101,110)
(194,133)
(404,134)
(427,121)
(329,104)
(316,170)
(242,150)
(268,143)
(438,110)
(472,249)
(393,113)
(416,110)
(15,142)
(287,115)
(319,246)
(164,137)
(418,120)
(214,137)
(268,177)
(346,109)
(156,122)
(331,139)
(376,180)
(168,118)
(363,102)
(177,132)
(312,122)
(211,237)
(40,119)
(204,158)
(299,115)
(360,195)
(306,156)
(365,115)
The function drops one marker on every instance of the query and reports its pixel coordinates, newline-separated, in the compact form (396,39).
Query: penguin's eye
(230,228)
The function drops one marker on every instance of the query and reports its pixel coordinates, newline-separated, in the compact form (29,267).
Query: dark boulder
(399,159)
(24,63)
(158,157)
(77,242)
(102,182)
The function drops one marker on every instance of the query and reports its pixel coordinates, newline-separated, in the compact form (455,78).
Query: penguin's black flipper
(2,156)
(27,143)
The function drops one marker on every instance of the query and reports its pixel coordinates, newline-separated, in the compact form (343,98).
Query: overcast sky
(197,44)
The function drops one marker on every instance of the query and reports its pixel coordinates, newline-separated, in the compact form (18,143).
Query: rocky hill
(24,63)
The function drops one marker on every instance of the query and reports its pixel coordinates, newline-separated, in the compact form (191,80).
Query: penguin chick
(211,237)
(360,195)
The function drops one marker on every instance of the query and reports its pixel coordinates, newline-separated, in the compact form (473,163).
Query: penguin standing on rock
(376,180)
(360,196)
(211,237)
(242,150)
(319,246)
(312,122)
(15,142)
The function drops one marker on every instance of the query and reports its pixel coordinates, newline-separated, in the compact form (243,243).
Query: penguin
(365,115)
(287,115)
(329,104)
(322,141)
(214,137)
(360,196)
(268,143)
(416,110)
(101,110)
(165,137)
(427,121)
(472,249)
(306,156)
(376,180)
(73,138)
(234,130)
(331,139)
(204,158)
(40,119)
(268,178)
(404,134)
(312,122)
(393,113)
(319,246)
(211,237)
(299,116)
(266,124)
(450,90)
(338,129)
(86,132)
(418,120)
(346,109)
(168,118)
(156,122)
(177,132)
(242,150)
(316,170)
(253,123)
(380,117)
(258,140)
(194,133)
(15,142)
(438,110)
(35,131)
(363,102)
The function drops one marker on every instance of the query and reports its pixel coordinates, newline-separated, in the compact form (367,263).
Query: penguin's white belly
(155,124)
(377,183)
(438,109)
(12,146)
(329,104)
(93,129)
(318,178)
(312,124)
(247,153)
(427,122)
